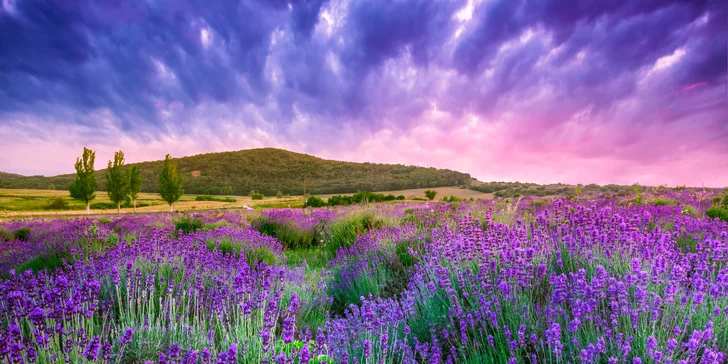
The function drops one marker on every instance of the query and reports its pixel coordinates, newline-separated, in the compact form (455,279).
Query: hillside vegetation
(267,171)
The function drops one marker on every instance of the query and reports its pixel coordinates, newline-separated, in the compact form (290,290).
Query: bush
(58,203)
(339,200)
(257,196)
(22,234)
(188,225)
(103,206)
(365,197)
(279,194)
(389,198)
(5,235)
(213,198)
(717,212)
(400,197)
(314,201)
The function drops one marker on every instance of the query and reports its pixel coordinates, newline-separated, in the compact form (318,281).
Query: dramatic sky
(599,91)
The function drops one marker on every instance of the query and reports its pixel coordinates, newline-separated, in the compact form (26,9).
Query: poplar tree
(170,182)
(117,181)
(135,183)
(84,187)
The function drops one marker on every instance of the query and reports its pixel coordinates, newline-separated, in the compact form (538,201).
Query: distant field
(23,202)
(441,192)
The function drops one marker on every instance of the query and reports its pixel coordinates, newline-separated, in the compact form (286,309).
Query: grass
(313,258)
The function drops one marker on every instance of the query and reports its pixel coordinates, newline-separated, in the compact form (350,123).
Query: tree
(430,194)
(84,187)
(117,181)
(578,189)
(135,183)
(279,194)
(170,182)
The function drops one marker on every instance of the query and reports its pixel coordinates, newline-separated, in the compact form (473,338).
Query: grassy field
(23,202)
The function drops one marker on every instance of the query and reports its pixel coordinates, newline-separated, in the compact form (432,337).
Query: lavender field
(599,280)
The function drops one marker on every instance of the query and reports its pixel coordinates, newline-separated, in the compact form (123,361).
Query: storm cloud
(545,91)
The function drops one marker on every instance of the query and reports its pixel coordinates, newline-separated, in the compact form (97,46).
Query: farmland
(600,279)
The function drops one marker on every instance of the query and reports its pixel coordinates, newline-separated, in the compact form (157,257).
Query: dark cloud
(384,66)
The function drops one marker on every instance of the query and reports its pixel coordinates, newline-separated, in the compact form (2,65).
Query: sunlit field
(633,279)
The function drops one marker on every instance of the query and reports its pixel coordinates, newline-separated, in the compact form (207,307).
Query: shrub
(103,206)
(279,194)
(21,234)
(430,194)
(662,201)
(365,197)
(257,196)
(314,201)
(58,203)
(389,198)
(187,224)
(339,200)
(400,197)
(213,198)
(5,235)
(717,212)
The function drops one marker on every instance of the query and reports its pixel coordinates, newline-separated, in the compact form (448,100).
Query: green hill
(267,170)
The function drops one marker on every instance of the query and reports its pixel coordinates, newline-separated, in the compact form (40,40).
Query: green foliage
(366,197)
(313,201)
(717,212)
(340,200)
(578,189)
(117,181)
(279,194)
(58,203)
(430,194)
(6,235)
(662,201)
(103,205)
(270,170)
(313,258)
(135,183)
(187,224)
(343,232)
(215,225)
(257,196)
(290,235)
(21,234)
(400,198)
(213,198)
(83,187)
(253,256)
(170,182)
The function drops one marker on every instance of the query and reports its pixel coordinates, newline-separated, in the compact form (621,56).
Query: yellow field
(28,203)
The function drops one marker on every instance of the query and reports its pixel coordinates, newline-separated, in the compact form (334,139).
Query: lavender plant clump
(525,281)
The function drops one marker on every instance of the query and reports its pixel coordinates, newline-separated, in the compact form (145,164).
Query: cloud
(504,89)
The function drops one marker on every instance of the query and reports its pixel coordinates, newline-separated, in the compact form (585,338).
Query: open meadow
(596,280)
(25,202)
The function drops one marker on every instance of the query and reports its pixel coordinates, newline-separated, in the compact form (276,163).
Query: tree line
(122,183)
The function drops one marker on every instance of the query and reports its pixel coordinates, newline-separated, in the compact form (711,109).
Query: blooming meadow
(599,280)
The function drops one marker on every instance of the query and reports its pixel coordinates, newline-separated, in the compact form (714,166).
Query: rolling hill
(267,170)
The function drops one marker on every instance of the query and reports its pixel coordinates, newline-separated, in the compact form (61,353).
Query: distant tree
(578,189)
(279,194)
(51,186)
(83,187)
(117,181)
(135,184)
(170,182)
(430,194)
